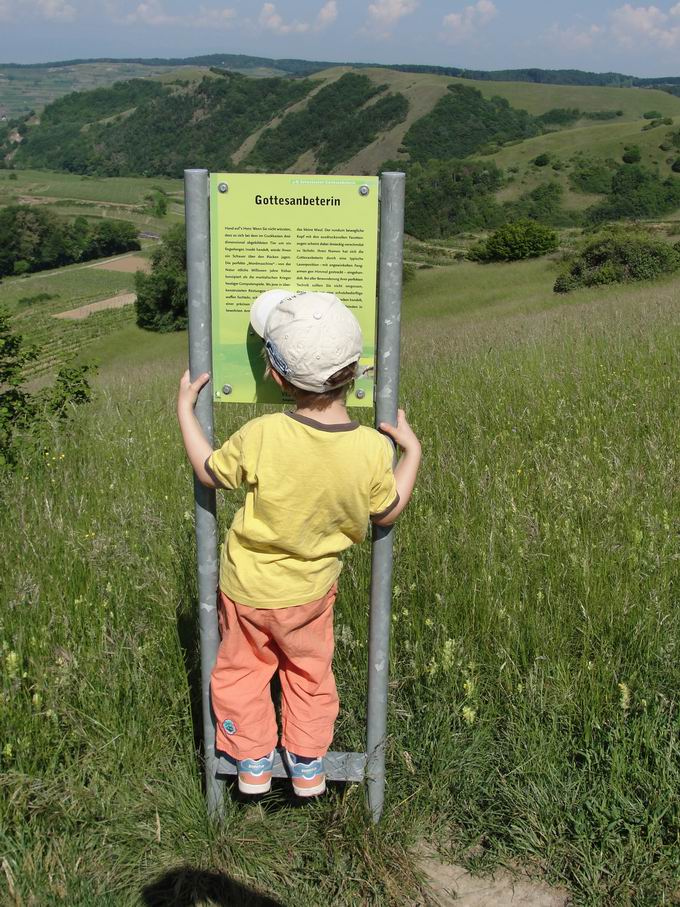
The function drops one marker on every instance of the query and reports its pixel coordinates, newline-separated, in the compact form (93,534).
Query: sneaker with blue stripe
(308,777)
(255,775)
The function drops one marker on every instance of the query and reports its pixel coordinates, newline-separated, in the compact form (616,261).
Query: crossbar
(338,766)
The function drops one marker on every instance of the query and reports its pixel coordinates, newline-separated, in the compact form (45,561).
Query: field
(533,711)
(69,195)
(31,88)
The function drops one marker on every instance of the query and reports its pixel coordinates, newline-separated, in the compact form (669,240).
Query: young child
(313,479)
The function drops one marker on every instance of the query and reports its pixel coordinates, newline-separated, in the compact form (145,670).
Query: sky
(480,34)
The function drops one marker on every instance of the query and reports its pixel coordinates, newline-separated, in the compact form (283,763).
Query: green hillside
(208,120)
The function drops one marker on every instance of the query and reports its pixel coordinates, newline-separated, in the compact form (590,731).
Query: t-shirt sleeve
(226,464)
(384,495)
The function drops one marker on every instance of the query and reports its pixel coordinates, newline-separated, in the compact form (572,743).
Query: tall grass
(533,713)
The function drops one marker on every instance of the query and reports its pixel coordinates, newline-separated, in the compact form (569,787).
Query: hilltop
(27,87)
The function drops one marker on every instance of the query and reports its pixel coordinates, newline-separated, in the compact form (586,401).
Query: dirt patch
(114,302)
(127,265)
(453,886)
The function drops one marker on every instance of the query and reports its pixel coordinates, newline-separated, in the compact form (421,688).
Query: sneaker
(309,778)
(255,775)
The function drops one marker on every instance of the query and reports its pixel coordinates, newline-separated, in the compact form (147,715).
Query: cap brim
(263,306)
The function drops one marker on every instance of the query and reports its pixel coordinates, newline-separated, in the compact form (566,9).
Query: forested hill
(338,120)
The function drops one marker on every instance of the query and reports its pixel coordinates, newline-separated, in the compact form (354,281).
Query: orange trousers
(255,643)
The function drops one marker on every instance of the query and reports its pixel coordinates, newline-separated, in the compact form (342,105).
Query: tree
(631,154)
(162,295)
(514,241)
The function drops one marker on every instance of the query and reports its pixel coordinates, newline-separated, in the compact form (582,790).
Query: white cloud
(52,10)
(153,13)
(56,9)
(273,21)
(573,38)
(461,26)
(214,17)
(383,15)
(633,24)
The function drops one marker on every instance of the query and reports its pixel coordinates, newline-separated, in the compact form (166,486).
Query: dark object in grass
(190,887)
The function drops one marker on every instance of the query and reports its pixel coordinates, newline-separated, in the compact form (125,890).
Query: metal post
(198,274)
(387,390)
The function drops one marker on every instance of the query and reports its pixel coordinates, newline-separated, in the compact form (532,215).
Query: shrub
(590,175)
(631,154)
(514,241)
(542,160)
(637,192)
(162,295)
(23,415)
(619,256)
(675,166)
(652,115)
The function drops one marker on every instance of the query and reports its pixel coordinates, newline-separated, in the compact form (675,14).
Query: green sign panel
(293,233)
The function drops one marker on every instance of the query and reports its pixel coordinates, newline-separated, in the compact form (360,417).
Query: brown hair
(343,381)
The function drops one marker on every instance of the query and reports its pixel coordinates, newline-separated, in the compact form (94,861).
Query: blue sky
(480,34)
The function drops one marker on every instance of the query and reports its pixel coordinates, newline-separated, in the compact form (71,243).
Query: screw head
(364,190)
(360,394)
(222,187)
(227,389)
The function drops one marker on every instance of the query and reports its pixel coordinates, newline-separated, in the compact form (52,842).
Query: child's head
(312,341)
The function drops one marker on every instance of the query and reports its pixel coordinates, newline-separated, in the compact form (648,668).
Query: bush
(22,415)
(544,205)
(637,192)
(542,160)
(590,175)
(162,295)
(631,154)
(675,166)
(514,241)
(619,256)
(652,115)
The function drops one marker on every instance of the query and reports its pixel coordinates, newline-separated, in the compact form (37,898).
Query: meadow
(533,712)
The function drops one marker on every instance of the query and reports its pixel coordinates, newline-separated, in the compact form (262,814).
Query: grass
(534,674)
(60,340)
(121,190)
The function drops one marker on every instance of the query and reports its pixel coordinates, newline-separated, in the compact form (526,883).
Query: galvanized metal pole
(387,391)
(197,209)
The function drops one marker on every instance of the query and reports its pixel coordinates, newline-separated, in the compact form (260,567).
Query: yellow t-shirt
(311,489)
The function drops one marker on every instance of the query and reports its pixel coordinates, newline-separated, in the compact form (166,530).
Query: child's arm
(406,470)
(197,447)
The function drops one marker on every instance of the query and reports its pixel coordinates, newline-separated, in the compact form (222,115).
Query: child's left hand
(189,390)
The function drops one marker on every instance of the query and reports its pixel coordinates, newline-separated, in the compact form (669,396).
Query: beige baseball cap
(308,336)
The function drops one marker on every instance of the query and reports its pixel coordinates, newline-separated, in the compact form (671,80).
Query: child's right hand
(402,434)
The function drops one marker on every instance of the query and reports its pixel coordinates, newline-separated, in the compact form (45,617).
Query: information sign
(287,232)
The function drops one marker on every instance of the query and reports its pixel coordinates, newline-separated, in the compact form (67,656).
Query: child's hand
(189,390)
(403,434)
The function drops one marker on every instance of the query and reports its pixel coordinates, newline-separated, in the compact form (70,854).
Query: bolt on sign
(293,233)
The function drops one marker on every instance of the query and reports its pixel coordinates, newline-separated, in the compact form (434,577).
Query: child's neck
(335,414)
